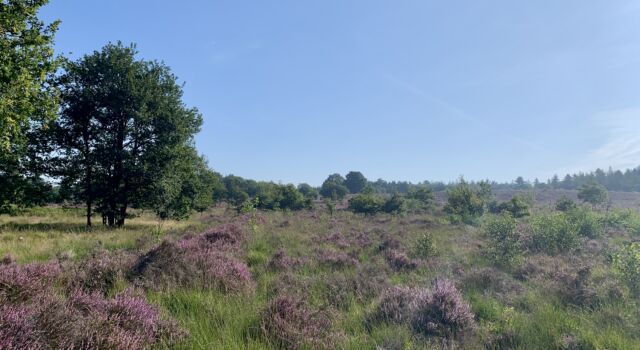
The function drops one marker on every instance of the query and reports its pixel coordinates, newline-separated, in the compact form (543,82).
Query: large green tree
(122,129)
(333,187)
(355,181)
(27,100)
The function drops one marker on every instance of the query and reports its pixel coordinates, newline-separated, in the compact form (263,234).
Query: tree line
(111,131)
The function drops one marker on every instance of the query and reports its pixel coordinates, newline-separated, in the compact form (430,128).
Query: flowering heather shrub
(98,273)
(439,311)
(290,322)
(17,331)
(361,284)
(336,259)
(84,321)
(280,261)
(227,237)
(22,282)
(188,264)
(396,304)
(443,311)
(399,260)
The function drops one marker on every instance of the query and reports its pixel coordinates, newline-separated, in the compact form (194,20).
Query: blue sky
(294,90)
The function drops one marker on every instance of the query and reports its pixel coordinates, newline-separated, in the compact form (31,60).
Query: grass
(44,234)
(524,313)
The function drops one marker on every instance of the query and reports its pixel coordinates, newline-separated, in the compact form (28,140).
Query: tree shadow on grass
(64,227)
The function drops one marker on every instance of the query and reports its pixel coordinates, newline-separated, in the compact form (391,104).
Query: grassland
(339,265)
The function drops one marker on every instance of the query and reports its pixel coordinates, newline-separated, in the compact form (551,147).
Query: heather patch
(292,324)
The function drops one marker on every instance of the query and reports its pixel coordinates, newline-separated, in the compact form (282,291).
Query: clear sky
(293,90)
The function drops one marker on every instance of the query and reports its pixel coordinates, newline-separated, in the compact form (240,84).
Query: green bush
(505,245)
(553,233)
(565,204)
(425,247)
(367,204)
(588,223)
(627,265)
(464,203)
(516,206)
(623,219)
(393,205)
(423,196)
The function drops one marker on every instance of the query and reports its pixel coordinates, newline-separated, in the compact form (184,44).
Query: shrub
(593,194)
(588,223)
(626,263)
(393,205)
(464,203)
(84,321)
(98,273)
(20,283)
(442,312)
(290,322)
(280,261)
(399,260)
(308,191)
(516,206)
(553,233)
(504,247)
(425,248)
(424,196)
(565,204)
(396,304)
(203,261)
(439,311)
(367,204)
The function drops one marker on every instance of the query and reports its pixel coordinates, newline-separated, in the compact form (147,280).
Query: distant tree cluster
(237,191)
(618,180)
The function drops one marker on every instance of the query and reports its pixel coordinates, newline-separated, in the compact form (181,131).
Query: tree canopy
(122,129)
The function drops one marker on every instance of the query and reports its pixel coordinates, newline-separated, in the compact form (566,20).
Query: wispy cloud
(620,145)
(456,112)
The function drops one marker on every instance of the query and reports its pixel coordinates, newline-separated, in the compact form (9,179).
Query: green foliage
(505,246)
(623,219)
(393,205)
(588,223)
(308,191)
(593,194)
(565,204)
(355,181)
(424,196)
(121,133)
(26,62)
(333,187)
(367,204)
(553,233)
(425,247)
(290,198)
(517,206)
(627,265)
(331,207)
(370,204)
(27,101)
(188,186)
(465,203)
